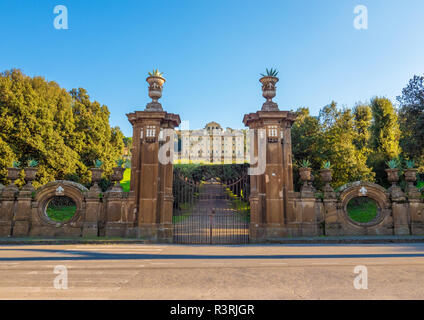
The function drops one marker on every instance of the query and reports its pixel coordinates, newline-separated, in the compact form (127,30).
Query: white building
(213,144)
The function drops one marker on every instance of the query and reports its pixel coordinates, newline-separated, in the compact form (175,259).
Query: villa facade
(213,144)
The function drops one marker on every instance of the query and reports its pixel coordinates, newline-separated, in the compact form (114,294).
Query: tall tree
(93,138)
(348,162)
(362,124)
(40,120)
(307,142)
(385,136)
(411,120)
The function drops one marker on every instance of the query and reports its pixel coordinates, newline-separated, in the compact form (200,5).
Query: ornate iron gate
(211,211)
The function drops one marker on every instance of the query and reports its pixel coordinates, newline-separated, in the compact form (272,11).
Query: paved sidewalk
(294,240)
(135,271)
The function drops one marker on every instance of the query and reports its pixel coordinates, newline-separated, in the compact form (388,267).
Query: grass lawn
(186,212)
(125,182)
(60,213)
(362,209)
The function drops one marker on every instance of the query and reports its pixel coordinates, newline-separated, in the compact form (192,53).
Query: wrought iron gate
(211,211)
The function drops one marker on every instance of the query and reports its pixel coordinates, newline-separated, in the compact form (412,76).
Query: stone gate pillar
(271,166)
(151,176)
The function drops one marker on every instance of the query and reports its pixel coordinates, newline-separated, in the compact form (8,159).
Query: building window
(150,131)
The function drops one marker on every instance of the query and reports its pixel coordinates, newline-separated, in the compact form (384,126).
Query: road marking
(119,247)
(113,249)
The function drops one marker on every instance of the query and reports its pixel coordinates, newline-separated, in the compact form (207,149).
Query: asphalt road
(211,272)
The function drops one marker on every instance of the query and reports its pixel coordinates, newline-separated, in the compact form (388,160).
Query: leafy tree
(385,136)
(348,162)
(411,120)
(334,137)
(307,142)
(362,123)
(63,131)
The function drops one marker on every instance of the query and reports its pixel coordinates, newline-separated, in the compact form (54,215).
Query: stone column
(21,220)
(8,199)
(151,179)
(415,203)
(400,212)
(271,186)
(92,213)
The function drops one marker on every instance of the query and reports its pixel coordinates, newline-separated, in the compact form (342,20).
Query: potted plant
(411,177)
(96,173)
(118,172)
(305,171)
(326,172)
(13,172)
(393,171)
(155,81)
(410,171)
(30,173)
(269,89)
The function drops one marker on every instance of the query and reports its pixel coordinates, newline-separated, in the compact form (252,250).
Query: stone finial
(96,176)
(269,90)
(155,81)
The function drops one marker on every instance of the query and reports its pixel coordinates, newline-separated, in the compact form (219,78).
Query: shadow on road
(79,255)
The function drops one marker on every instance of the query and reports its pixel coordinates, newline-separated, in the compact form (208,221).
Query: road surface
(136,271)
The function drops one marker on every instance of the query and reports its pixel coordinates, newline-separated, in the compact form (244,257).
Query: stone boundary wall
(310,213)
(23,212)
(317,214)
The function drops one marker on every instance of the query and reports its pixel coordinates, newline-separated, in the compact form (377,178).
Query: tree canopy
(64,131)
(411,120)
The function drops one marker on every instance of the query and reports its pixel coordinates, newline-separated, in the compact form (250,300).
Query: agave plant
(97,163)
(127,164)
(393,164)
(410,164)
(326,165)
(156,73)
(270,73)
(32,163)
(305,163)
(16,164)
(120,162)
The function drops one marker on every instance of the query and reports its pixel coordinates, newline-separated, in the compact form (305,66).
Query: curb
(288,241)
(347,240)
(69,241)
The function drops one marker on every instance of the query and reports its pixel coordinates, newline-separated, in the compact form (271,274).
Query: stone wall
(315,214)
(23,212)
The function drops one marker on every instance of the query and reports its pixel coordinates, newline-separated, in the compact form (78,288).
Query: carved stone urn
(392,176)
(30,173)
(327,177)
(305,174)
(118,174)
(96,176)
(269,90)
(13,175)
(155,92)
(411,177)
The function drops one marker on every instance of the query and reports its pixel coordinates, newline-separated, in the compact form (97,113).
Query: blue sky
(212,52)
